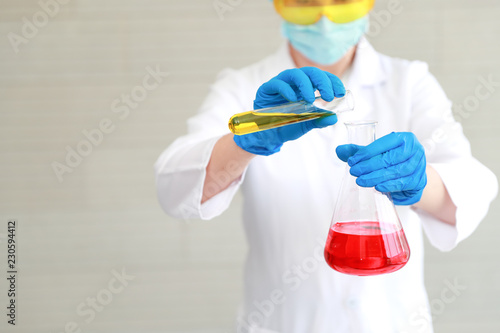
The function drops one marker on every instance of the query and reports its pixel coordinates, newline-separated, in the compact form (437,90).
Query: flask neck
(361,133)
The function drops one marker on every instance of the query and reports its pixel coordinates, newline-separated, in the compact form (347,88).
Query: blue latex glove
(291,85)
(394,163)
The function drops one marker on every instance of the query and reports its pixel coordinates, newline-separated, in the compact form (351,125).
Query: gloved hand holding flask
(394,163)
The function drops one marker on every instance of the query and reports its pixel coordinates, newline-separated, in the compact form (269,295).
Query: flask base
(366,248)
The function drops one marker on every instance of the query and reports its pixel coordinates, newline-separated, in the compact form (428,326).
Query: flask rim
(361,122)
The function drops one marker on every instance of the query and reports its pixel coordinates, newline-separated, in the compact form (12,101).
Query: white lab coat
(289,198)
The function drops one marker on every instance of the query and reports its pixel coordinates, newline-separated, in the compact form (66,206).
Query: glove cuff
(404,199)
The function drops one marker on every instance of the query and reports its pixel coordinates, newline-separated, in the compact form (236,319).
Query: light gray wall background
(74,235)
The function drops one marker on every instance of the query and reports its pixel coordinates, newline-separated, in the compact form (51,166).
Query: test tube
(289,113)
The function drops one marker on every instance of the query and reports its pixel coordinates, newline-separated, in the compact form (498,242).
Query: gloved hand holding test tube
(289,99)
(288,113)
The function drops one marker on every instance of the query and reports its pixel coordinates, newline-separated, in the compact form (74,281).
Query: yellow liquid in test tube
(251,121)
(288,113)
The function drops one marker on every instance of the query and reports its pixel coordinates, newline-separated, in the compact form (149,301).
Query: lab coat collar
(366,69)
(284,59)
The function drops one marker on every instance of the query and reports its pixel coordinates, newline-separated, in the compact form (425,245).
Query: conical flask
(366,236)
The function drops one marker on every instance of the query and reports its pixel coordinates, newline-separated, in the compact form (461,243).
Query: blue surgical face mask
(325,42)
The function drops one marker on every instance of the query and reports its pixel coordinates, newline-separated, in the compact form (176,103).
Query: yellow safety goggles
(306,12)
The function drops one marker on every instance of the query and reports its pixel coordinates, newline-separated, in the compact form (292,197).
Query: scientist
(290,184)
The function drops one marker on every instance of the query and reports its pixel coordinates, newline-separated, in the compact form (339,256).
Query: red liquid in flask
(366,248)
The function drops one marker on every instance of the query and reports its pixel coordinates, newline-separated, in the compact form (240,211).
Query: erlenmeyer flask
(366,236)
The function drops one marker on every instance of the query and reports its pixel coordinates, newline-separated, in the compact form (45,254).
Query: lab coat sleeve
(181,169)
(471,185)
